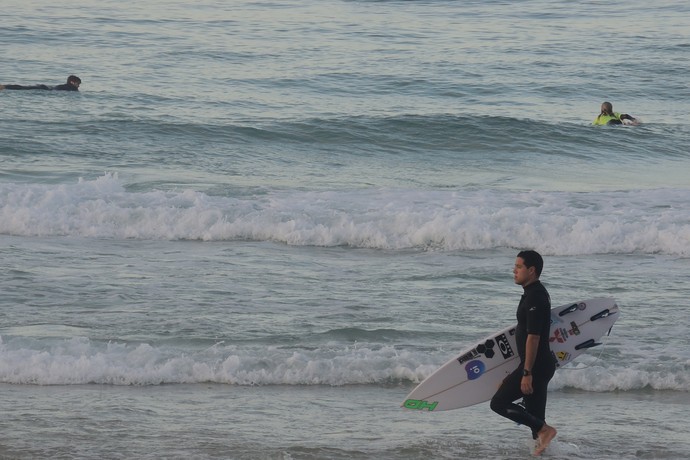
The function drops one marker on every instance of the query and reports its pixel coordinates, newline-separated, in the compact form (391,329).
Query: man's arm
(18,87)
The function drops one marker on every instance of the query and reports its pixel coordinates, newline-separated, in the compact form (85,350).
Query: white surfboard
(474,375)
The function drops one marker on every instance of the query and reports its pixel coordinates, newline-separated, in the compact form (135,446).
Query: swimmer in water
(609,117)
(72,84)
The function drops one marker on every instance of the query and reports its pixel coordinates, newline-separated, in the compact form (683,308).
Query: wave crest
(557,223)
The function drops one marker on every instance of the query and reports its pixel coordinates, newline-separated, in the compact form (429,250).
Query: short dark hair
(73,78)
(532,259)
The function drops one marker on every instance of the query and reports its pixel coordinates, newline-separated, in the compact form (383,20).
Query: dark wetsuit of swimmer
(534,317)
(63,87)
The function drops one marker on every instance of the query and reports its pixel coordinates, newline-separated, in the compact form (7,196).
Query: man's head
(607,108)
(528,267)
(74,80)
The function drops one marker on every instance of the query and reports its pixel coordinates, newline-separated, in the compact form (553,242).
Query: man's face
(521,274)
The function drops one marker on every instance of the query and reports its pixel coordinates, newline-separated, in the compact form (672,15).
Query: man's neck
(529,282)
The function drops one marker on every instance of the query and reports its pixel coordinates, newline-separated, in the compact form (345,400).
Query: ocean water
(260,224)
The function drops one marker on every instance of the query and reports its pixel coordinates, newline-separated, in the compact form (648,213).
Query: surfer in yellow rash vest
(531,379)
(608,117)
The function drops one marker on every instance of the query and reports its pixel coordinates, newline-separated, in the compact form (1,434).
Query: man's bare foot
(544,438)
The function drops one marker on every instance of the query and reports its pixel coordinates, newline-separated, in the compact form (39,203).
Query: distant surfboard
(474,375)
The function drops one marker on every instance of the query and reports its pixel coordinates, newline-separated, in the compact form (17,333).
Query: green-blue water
(259,224)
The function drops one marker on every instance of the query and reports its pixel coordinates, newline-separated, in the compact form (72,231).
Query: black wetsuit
(534,317)
(63,87)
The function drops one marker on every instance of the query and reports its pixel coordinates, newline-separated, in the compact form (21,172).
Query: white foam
(81,361)
(556,223)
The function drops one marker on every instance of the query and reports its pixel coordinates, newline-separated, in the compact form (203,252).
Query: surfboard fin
(570,309)
(602,314)
(587,344)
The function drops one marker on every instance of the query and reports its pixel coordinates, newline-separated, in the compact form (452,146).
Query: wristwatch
(525,373)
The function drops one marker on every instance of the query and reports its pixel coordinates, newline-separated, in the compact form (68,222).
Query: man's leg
(503,403)
(535,404)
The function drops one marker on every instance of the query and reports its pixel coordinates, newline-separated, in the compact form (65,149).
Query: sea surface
(260,224)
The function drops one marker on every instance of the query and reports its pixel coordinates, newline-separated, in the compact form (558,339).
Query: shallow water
(259,224)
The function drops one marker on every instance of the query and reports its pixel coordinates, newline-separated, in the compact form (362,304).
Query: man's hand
(526,385)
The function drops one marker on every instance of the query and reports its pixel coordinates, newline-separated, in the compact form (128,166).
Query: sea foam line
(557,223)
(82,361)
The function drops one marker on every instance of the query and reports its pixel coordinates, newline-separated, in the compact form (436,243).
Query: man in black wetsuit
(72,84)
(530,380)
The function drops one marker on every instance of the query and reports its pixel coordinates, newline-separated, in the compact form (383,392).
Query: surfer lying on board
(531,379)
(72,84)
(609,117)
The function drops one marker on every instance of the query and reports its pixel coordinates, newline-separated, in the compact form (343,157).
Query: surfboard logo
(467,356)
(563,356)
(486,349)
(475,369)
(418,404)
(504,346)
(561,334)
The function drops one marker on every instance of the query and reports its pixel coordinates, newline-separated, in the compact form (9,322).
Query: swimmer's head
(607,108)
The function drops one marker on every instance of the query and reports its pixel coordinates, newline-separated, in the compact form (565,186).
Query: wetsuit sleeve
(536,318)
(27,87)
(65,87)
